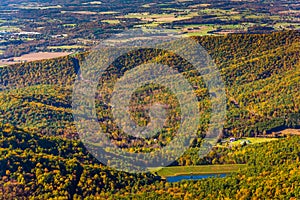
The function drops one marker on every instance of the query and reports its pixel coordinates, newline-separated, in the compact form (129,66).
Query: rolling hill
(42,157)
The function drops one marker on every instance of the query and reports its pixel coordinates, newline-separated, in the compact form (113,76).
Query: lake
(172,179)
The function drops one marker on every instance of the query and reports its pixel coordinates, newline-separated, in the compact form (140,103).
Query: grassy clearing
(159,17)
(261,140)
(215,11)
(148,5)
(73,25)
(174,9)
(40,7)
(233,26)
(200,169)
(108,13)
(203,5)
(67,47)
(255,17)
(79,12)
(111,21)
(184,0)
(153,24)
(93,3)
(9,28)
(202,31)
(285,25)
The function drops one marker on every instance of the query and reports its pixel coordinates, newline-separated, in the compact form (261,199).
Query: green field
(9,28)
(39,7)
(164,18)
(108,12)
(111,21)
(72,25)
(201,169)
(203,31)
(67,47)
(260,140)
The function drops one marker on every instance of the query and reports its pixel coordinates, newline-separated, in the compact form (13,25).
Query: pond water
(172,179)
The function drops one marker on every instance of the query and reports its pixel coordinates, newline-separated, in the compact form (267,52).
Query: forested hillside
(261,73)
(49,167)
(41,155)
(272,173)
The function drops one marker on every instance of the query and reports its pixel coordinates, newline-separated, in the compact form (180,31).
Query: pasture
(111,21)
(199,169)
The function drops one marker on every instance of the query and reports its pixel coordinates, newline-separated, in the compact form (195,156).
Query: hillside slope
(41,156)
(261,73)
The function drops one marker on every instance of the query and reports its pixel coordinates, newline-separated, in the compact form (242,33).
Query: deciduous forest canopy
(42,156)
